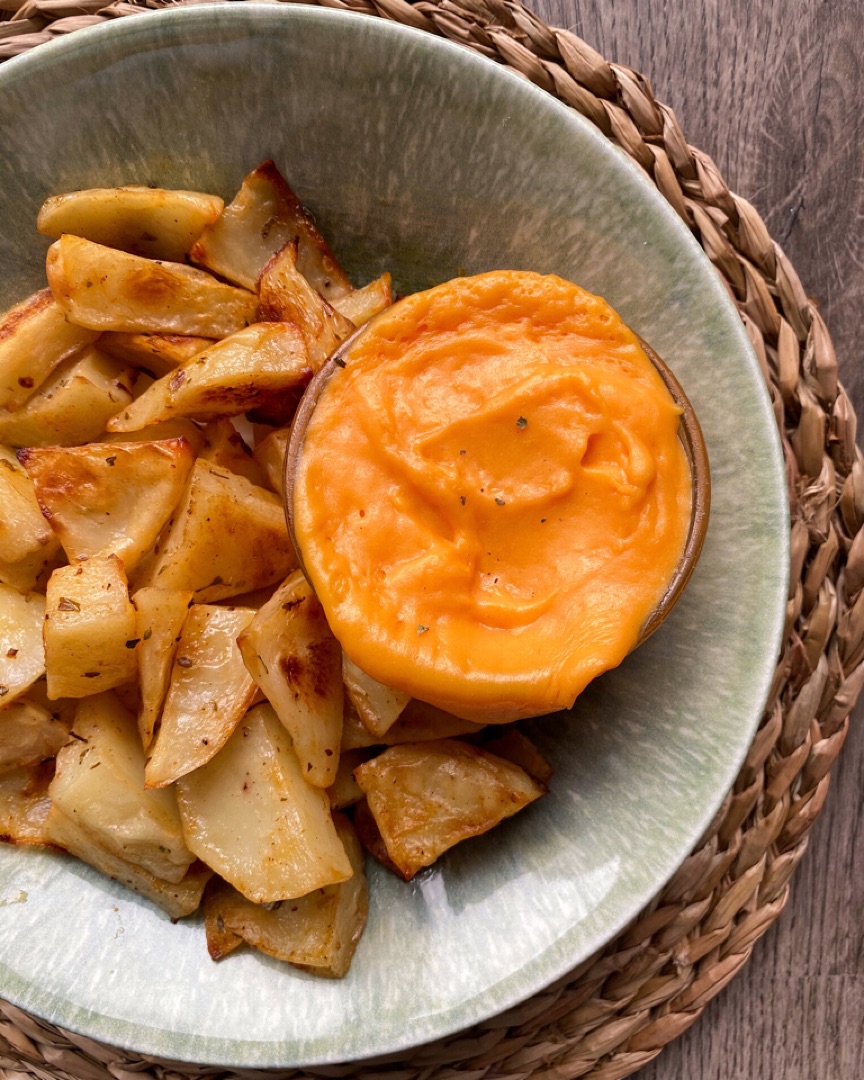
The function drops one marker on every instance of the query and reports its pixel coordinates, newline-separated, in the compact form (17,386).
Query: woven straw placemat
(617,1010)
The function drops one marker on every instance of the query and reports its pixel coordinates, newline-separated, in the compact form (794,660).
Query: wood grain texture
(775,94)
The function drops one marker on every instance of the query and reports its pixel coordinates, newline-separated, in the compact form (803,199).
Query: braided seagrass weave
(616,1011)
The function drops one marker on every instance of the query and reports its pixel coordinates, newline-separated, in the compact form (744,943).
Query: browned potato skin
(250,814)
(426,797)
(292,655)
(159,618)
(102,288)
(156,353)
(89,630)
(176,899)
(226,537)
(34,339)
(285,295)
(252,368)
(418,722)
(102,499)
(22,652)
(208,695)
(73,404)
(361,305)
(29,734)
(377,705)
(264,216)
(156,222)
(317,932)
(99,784)
(24,804)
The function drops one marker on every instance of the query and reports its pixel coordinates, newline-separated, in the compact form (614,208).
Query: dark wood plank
(775,94)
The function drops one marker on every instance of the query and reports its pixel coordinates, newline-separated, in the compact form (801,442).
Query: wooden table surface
(774,92)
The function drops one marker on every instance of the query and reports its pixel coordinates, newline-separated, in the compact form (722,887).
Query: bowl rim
(213,20)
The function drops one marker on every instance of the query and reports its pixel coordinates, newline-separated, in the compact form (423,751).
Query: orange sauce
(492,496)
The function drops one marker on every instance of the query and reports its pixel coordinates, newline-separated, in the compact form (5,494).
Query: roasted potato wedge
(418,722)
(426,797)
(27,544)
(22,653)
(73,405)
(155,222)
(103,499)
(291,653)
(99,784)
(89,629)
(513,746)
(104,289)
(345,791)
(176,899)
(35,338)
(270,457)
(24,804)
(226,448)
(209,693)
(227,537)
(377,705)
(318,932)
(244,371)
(29,734)
(157,353)
(286,295)
(263,217)
(159,618)
(250,815)
(363,304)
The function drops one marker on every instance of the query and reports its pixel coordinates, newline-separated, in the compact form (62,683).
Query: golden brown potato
(167,429)
(89,629)
(22,654)
(227,537)
(176,899)
(159,618)
(518,748)
(345,791)
(99,784)
(285,295)
(418,722)
(426,797)
(270,456)
(226,448)
(24,804)
(292,655)
(208,695)
(363,304)
(155,222)
(370,837)
(264,216)
(156,353)
(251,816)
(105,289)
(244,371)
(378,706)
(34,339)
(29,734)
(28,547)
(317,933)
(73,405)
(105,499)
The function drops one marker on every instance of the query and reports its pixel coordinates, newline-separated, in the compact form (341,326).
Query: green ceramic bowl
(421,158)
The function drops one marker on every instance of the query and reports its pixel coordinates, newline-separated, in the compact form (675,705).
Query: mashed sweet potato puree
(491,497)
